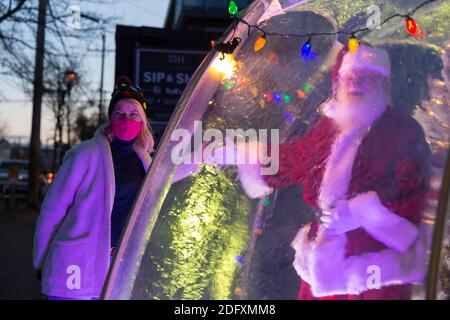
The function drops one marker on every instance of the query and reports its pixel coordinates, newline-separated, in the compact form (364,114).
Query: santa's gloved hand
(250,171)
(252,181)
(245,156)
(339,220)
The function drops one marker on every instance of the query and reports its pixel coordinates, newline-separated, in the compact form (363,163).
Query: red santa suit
(380,170)
(386,192)
(382,174)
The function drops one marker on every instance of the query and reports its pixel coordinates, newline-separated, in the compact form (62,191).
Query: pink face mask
(126,129)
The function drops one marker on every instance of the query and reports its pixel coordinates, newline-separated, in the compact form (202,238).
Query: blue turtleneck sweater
(129,173)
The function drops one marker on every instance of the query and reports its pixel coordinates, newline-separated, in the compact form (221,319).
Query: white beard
(358,114)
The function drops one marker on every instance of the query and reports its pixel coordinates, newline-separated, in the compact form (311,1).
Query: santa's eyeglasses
(361,77)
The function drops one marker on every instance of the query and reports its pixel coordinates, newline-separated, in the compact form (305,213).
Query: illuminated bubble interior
(203,237)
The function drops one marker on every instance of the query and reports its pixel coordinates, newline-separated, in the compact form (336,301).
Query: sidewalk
(17,277)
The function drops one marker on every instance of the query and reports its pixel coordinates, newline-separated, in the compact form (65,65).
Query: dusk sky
(15,107)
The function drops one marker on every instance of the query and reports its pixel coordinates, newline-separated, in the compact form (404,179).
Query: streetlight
(70,78)
(100,104)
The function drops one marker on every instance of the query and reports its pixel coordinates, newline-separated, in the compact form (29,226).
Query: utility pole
(100,104)
(38,86)
(59,126)
(68,123)
(70,79)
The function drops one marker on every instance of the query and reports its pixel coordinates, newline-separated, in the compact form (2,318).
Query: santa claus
(364,166)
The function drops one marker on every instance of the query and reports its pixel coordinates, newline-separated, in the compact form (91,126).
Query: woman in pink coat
(87,206)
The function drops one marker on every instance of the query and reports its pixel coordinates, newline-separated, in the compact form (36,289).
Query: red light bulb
(411,26)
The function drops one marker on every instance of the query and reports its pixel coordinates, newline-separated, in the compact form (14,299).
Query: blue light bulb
(277,98)
(306,49)
(288,117)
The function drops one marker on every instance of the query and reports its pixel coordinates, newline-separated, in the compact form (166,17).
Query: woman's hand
(339,219)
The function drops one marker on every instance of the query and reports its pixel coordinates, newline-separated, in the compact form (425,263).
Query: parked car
(17,170)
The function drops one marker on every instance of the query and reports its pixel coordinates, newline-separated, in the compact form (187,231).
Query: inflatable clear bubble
(350,102)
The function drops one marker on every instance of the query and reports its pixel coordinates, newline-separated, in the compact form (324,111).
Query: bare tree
(66,45)
(35,142)
(65,48)
(10,10)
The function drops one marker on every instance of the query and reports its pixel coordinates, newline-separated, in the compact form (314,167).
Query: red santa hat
(366,58)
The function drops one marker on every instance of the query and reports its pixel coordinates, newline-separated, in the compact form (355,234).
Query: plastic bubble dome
(351,102)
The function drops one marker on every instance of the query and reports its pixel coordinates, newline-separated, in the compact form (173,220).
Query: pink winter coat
(72,237)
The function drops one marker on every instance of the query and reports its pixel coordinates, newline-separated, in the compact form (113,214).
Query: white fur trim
(326,264)
(246,157)
(381,223)
(252,181)
(338,170)
(302,247)
(250,175)
(323,265)
(368,58)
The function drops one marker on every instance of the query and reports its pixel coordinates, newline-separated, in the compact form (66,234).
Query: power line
(145,9)
(100,50)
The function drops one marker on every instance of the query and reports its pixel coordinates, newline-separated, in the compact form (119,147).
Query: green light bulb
(228,85)
(232,8)
(307,87)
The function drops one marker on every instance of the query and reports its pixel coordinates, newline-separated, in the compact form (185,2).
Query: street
(17,277)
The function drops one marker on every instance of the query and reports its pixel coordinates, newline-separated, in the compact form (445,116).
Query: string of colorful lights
(226,66)
(353,43)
